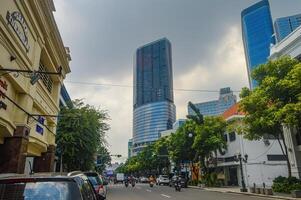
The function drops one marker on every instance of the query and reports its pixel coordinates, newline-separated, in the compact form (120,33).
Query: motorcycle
(151,184)
(178,186)
(126,184)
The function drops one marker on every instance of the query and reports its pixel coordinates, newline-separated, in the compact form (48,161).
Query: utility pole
(241,159)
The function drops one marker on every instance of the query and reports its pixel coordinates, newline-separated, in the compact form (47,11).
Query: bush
(210,179)
(286,185)
(193,183)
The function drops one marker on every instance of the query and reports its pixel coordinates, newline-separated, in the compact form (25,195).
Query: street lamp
(242,159)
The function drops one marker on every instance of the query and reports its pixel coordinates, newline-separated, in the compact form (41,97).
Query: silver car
(162,180)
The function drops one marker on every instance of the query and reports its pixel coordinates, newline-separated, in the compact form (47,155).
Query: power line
(131,86)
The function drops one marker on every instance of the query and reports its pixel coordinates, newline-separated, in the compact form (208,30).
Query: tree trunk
(285,153)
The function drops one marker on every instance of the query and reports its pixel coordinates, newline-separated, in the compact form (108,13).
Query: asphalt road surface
(145,192)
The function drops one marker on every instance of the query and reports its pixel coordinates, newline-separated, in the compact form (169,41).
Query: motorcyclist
(151,179)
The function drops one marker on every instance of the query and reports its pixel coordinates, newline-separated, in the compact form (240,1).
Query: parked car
(43,186)
(143,179)
(98,183)
(184,181)
(162,180)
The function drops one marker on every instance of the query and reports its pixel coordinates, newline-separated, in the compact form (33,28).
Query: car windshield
(40,191)
(164,176)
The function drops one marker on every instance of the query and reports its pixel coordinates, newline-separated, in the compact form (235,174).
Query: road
(145,192)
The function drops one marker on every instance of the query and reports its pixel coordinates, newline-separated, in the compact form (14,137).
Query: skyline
(199,56)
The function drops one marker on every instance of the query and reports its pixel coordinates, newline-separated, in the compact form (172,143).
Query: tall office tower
(217,107)
(154,109)
(285,25)
(257,35)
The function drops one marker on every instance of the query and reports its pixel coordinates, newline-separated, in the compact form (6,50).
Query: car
(46,185)
(98,183)
(143,179)
(162,180)
(184,181)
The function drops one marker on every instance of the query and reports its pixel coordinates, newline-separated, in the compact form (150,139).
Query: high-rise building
(154,110)
(130,146)
(217,107)
(257,35)
(285,25)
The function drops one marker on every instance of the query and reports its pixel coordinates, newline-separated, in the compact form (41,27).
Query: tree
(210,138)
(80,133)
(180,145)
(103,159)
(161,153)
(275,103)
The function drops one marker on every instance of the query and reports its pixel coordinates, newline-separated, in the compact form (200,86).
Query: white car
(162,180)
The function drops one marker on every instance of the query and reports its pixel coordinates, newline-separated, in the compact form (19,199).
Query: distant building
(265,159)
(130,147)
(178,123)
(217,107)
(154,109)
(65,99)
(285,25)
(257,35)
(291,46)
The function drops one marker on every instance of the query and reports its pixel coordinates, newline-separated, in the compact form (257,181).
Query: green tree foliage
(80,134)
(210,138)
(103,158)
(275,102)
(180,146)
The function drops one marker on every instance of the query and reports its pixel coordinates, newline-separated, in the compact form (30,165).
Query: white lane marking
(164,195)
(148,190)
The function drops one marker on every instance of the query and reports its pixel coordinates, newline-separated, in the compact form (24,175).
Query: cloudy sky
(104,34)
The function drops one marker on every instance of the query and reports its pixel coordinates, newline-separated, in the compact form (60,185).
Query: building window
(232,136)
(276,157)
(46,79)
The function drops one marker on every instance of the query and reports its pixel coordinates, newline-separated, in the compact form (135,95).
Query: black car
(47,186)
(98,183)
(184,181)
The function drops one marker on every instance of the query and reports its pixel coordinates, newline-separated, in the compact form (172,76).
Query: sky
(103,35)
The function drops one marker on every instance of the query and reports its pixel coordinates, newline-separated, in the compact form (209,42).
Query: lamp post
(242,159)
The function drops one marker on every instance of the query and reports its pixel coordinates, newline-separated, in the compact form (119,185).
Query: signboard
(39,126)
(17,22)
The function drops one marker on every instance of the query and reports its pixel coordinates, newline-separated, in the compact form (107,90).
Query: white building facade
(291,46)
(265,160)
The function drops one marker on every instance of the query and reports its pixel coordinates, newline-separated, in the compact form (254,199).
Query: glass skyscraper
(257,35)
(285,25)
(217,107)
(154,110)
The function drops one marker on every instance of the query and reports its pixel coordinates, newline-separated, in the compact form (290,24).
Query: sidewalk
(236,190)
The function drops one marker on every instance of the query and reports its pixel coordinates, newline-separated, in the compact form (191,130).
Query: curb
(245,193)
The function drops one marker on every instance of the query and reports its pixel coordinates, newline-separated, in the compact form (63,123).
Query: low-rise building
(265,160)
(29,41)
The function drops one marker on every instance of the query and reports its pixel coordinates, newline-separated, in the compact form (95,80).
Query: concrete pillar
(13,151)
(45,163)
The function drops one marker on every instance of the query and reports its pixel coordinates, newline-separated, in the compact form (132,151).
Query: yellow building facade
(29,41)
